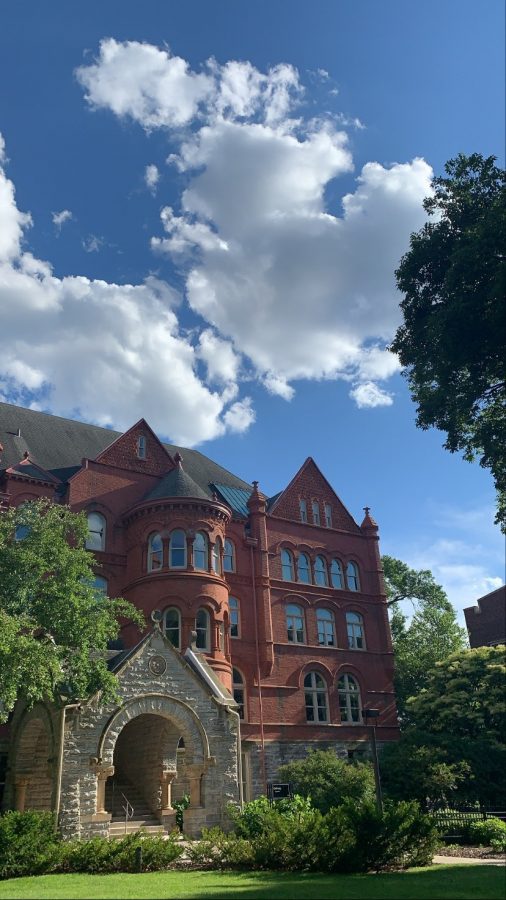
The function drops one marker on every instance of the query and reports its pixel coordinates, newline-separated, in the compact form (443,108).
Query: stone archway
(33,779)
(138,753)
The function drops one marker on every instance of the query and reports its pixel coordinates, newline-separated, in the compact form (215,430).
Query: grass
(451,882)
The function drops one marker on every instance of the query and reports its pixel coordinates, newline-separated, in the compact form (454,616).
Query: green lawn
(452,882)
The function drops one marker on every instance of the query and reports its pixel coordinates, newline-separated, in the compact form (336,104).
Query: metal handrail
(128,809)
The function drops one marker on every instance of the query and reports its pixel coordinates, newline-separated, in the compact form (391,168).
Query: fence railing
(453,823)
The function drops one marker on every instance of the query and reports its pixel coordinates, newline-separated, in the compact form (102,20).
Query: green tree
(458,724)
(431,635)
(54,625)
(328,780)
(452,341)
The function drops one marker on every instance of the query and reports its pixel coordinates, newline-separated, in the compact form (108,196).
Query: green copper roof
(236,498)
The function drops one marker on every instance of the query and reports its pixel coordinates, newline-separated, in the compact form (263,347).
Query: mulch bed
(472,852)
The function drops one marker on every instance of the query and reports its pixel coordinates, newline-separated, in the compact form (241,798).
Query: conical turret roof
(177,483)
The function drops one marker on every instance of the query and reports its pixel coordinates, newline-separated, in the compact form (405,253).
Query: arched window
(303,568)
(200,560)
(355,629)
(316,697)
(172,626)
(315,509)
(336,574)
(141,447)
(352,576)
(229,557)
(155,553)
(350,705)
(287,568)
(177,549)
(239,692)
(100,584)
(320,572)
(203,629)
(326,630)
(234,616)
(295,623)
(96,532)
(217,556)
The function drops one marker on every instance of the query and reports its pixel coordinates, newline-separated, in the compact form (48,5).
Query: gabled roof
(59,446)
(27,468)
(309,470)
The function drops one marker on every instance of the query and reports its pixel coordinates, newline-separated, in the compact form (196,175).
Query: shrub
(258,815)
(180,806)
(489,833)
(99,855)
(329,780)
(28,843)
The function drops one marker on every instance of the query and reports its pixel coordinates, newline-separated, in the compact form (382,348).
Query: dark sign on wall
(277,791)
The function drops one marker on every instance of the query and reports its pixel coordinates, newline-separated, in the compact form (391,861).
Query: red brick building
(486,621)
(285,593)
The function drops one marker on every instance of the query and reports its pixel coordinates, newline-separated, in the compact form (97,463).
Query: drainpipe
(232,712)
(253,543)
(59,771)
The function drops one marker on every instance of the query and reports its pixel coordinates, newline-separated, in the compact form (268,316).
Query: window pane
(320,571)
(303,571)
(96,532)
(172,629)
(287,565)
(303,510)
(315,507)
(234,617)
(228,557)
(200,551)
(178,549)
(328,515)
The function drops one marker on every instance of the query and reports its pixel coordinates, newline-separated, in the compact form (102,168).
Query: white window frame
(204,551)
(352,711)
(239,693)
(235,617)
(322,571)
(205,644)
(295,625)
(340,586)
(229,567)
(183,548)
(154,553)
(216,556)
(166,628)
(285,565)
(101,532)
(355,630)
(141,447)
(325,623)
(316,698)
(303,569)
(352,579)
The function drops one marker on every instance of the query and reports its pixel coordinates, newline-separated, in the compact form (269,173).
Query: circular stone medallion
(157,665)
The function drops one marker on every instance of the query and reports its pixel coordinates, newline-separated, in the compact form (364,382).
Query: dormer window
(141,447)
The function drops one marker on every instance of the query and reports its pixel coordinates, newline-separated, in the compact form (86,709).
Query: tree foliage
(455,744)
(431,635)
(328,780)
(54,624)
(452,341)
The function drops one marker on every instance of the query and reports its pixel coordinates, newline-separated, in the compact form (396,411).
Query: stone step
(117,829)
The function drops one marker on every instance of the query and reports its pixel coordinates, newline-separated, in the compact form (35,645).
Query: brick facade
(272,660)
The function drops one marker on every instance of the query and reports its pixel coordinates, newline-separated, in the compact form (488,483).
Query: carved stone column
(194,773)
(167,777)
(21,782)
(102,773)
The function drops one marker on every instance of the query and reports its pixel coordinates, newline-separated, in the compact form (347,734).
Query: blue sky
(201,209)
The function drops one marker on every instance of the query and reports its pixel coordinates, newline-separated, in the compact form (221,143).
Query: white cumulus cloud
(151,177)
(59,218)
(108,352)
(367,395)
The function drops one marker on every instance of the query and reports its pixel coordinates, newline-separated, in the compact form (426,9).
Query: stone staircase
(116,789)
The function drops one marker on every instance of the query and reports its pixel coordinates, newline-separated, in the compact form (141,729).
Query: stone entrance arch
(138,747)
(34,763)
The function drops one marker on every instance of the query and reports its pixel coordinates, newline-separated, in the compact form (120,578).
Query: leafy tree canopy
(452,341)
(431,635)
(455,745)
(54,624)
(328,780)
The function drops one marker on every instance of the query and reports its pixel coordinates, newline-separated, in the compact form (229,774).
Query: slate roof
(177,484)
(59,445)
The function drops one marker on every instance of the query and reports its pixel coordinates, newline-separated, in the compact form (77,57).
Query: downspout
(239,754)
(252,543)
(59,771)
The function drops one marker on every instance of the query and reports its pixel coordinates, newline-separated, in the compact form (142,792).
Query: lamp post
(372,714)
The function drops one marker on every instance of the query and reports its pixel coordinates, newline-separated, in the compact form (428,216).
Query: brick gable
(122,453)
(309,484)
